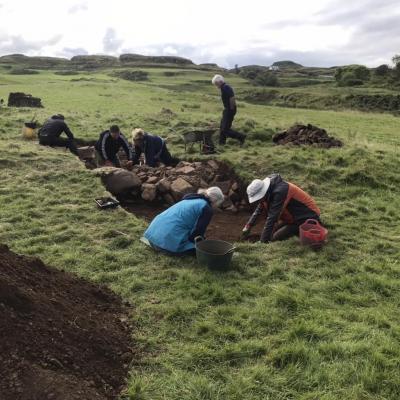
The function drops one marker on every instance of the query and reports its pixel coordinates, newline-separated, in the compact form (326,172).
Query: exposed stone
(117,180)
(213,164)
(169,199)
(224,186)
(149,192)
(152,179)
(185,170)
(164,185)
(86,152)
(180,187)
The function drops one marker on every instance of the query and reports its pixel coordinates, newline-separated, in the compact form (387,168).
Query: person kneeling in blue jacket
(174,230)
(153,147)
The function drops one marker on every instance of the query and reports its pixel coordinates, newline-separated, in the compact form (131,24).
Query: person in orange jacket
(285,204)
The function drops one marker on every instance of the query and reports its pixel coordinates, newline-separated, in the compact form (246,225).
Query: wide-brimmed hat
(258,189)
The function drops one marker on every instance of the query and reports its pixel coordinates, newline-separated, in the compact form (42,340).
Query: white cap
(258,189)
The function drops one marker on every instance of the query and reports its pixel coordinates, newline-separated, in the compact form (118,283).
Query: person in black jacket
(109,144)
(229,102)
(50,132)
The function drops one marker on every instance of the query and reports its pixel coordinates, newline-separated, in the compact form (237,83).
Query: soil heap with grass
(61,337)
(306,135)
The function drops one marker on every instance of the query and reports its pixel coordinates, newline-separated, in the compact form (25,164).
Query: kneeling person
(50,132)
(286,206)
(174,230)
(108,146)
(153,147)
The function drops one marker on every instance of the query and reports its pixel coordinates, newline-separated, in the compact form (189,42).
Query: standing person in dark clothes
(285,204)
(49,134)
(153,147)
(229,102)
(109,144)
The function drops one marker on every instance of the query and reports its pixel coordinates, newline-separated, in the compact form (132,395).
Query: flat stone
(164,186)
(213,164)
(185,170)
(149,191)
(180,187)
(152,179)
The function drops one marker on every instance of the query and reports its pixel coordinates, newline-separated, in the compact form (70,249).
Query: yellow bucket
(29,133)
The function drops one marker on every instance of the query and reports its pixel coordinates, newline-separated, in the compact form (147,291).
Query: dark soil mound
(61,337)
(306,135)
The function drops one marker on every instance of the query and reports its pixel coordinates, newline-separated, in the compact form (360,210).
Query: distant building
(274,68)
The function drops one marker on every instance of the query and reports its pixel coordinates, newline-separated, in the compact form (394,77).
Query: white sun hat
(258,189)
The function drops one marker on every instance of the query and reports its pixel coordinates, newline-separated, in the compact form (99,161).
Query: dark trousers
(285,231)
(167,159)
(226,127)
(59,142)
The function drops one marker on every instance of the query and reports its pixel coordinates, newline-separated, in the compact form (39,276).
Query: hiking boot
(242,140)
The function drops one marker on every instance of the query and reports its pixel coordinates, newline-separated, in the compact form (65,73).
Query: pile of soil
(61,337)
(306,135)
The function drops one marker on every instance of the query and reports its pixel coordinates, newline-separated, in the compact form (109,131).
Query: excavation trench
(146,192)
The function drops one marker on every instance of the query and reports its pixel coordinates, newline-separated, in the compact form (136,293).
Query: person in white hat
(285,204)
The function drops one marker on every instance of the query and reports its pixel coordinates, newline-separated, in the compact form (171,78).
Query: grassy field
(286,322)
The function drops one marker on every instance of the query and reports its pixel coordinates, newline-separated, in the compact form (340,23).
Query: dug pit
(61,337)
(147,191)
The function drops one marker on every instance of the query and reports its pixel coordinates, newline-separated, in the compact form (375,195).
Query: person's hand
(108,163)
(245,233)
(129,164)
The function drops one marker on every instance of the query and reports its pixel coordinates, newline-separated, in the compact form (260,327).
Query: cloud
(18,44)
(111,44)
(78,7)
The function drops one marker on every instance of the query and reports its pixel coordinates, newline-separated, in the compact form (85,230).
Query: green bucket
(214,254)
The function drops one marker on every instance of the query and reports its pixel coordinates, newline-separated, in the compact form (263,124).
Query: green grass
(286,323)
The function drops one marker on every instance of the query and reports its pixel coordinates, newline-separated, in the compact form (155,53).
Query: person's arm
(126,146)
(137,154)
(232,103)
(202,223)
(103,146)
(253,219)
(274,211)
(68,132)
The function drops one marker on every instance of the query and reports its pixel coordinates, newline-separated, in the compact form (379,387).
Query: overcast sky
(227,32)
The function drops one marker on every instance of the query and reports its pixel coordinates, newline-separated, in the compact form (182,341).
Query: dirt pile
(23,100)
(61,337)
(168,185)
(306,135)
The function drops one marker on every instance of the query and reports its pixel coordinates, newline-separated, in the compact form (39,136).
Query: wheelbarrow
(203,137)
(214,254)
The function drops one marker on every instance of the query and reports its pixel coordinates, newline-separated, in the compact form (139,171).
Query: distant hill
(286,64)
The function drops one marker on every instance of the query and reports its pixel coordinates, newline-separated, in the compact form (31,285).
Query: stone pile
(169,185)
(306,135)
(23,100)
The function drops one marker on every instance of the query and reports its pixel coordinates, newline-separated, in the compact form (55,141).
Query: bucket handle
(198,239)
(312,222)
(232,250)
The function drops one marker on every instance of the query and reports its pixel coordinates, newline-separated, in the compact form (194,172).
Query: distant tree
(382,70)
(396,62)
(352,75)
(266,78)
(237,70)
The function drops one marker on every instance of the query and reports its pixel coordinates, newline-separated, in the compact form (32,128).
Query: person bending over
(108,146)
(286,207)
(153,147)
(50,132)
(229,112)
(174,230)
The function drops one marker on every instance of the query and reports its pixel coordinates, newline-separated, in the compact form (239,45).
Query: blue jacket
(152,149)
(174,229)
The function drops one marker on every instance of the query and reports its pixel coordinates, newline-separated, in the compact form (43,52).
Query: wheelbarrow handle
(232,250)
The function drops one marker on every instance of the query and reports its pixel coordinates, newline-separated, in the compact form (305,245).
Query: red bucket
(313,234)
